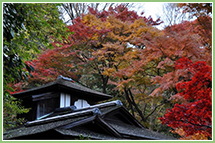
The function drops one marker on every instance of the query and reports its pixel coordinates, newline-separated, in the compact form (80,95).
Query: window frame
(65,100)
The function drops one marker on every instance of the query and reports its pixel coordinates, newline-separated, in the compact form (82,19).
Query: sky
(153,9)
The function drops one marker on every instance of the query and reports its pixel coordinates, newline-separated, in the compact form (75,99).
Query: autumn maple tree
(121,53)
(90,34)
(194,114)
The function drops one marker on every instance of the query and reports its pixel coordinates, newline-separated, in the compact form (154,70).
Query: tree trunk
(129,101)
(135,105)
(104,83)
(152,118)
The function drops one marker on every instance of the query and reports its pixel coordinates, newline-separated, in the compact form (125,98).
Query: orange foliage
(196,136)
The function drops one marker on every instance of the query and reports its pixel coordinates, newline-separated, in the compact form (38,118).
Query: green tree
(27,29)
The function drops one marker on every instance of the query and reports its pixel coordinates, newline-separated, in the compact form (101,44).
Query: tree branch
(155,109)
(208,126)
(129,101)
(135,105)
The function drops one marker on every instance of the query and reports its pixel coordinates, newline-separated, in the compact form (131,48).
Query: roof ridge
(64,78)
(66,116)
(73,109)
(62,83)
(75,112)
(102,105)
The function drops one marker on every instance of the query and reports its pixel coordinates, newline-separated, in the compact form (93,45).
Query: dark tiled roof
(86,134)
(23,131)
(138,132)
(74,124)
(63,84)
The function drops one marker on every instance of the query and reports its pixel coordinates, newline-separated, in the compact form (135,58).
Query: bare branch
(74,10)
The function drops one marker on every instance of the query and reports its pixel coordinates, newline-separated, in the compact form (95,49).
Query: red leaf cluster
(194,115)
(199,30)
(50,65)
(122,13)
(197,8)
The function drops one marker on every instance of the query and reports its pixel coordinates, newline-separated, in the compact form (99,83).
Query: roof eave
(61,85)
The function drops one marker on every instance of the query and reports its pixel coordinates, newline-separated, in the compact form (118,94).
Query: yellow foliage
(197,136)
(95,37)
(108,71)
(138,23)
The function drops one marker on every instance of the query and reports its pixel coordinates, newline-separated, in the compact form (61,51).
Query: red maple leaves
(50,65)
(195,114)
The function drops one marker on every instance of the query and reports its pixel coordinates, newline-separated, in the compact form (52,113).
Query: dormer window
(46,106)
(81,103)
(50,104)
(65,100)
(58,94)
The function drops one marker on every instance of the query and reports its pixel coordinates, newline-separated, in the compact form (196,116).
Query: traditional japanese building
(64,110)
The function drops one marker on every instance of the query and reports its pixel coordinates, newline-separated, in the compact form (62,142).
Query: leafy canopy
(123,54)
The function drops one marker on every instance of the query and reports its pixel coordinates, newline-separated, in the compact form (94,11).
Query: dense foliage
(27,29)
(121,53)
(194,114)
